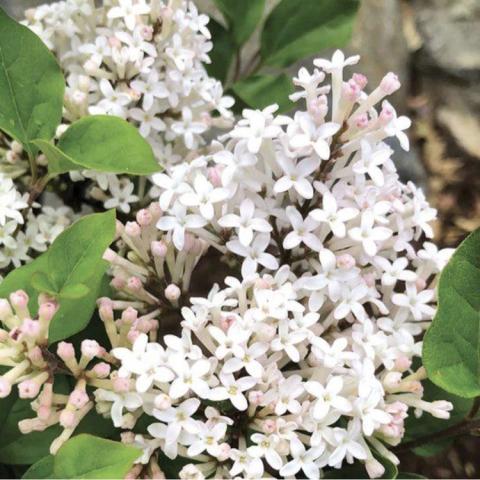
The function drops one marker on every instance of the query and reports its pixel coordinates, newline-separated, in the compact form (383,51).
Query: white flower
(336,218)
(128,10)
(179,222)
(368,235)
(296,176)
(395,271)
(302,459)
(189,377)
(266,447)
(232,389)
(338,61)
(346,445)
(148,120)
(11,202)
(130,401)
(207,439)
(416,302)
(246,222)
(246,357)
(371,160)
(204,196)
(302,231)
(327,397)
(396,126)
(254,254)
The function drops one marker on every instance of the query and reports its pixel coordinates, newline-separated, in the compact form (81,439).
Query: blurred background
(434,47)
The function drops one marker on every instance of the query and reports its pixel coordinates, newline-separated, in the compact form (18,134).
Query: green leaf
(74,259)
(31,85)
(427,424)
(222,53)
(242,17)
(106,144)
(86,456)
(259,91)
(451,348)
(42,284)
(296,29)
(41,469)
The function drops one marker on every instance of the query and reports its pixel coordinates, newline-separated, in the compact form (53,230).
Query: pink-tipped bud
(47,311)
(361,121)
(360,79)
(144,217)
(402,363)
(19,299)
(121,384)
(90,348)
(189,243)
(119,228)
(129,315)
(387,114)
(114,42)
(269,426)
(351,90)
(392,380)
(162,402)
(369,279)
(65,351)
(345,261)
(262,283)
(109,255)
(78,398)
(105,309)
(224,450)
(390,83)
(132,229)
(132,335)
(155,209)
(159,249)
(5,309)
(420,283)
(30,328)
(5,387)
(172,293)
(146,32)
(226,322)
(215,176)
(43,412)
(101,370)
(255,397)
(134,284)
(28,389)
(118,283)
(67,418)
(35,354)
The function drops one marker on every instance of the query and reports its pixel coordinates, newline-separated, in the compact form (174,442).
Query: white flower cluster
(142,61)
(305,362)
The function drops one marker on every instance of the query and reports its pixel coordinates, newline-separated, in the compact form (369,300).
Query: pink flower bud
(361,121)
(255,397)
(162,402)
(118,283)
(43,412)
(129,315)
(109,255)
(374,468)
(369,279)
(360,79)
(144,217)
(101,370)
(402,363)
(386,114)
(19,299)
(223,452)
(28,389)
(226,322)
(441,409)
(65,351)
(159,249)
(114,42)
(35,354)
(121,384)
(105,309)
(215,176)
(47,311)
(67,418)
(127,437)
(134,284)
(189,243)
(90,348)
(5,309)
(351,90)
(345,261)
(155,210)
(390,83)
(30,328)
(5,387)
(133,229)
(146,32)
(269,426)
(262,283)
(420,283)
(132,335)
(78,398)
(172,293)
